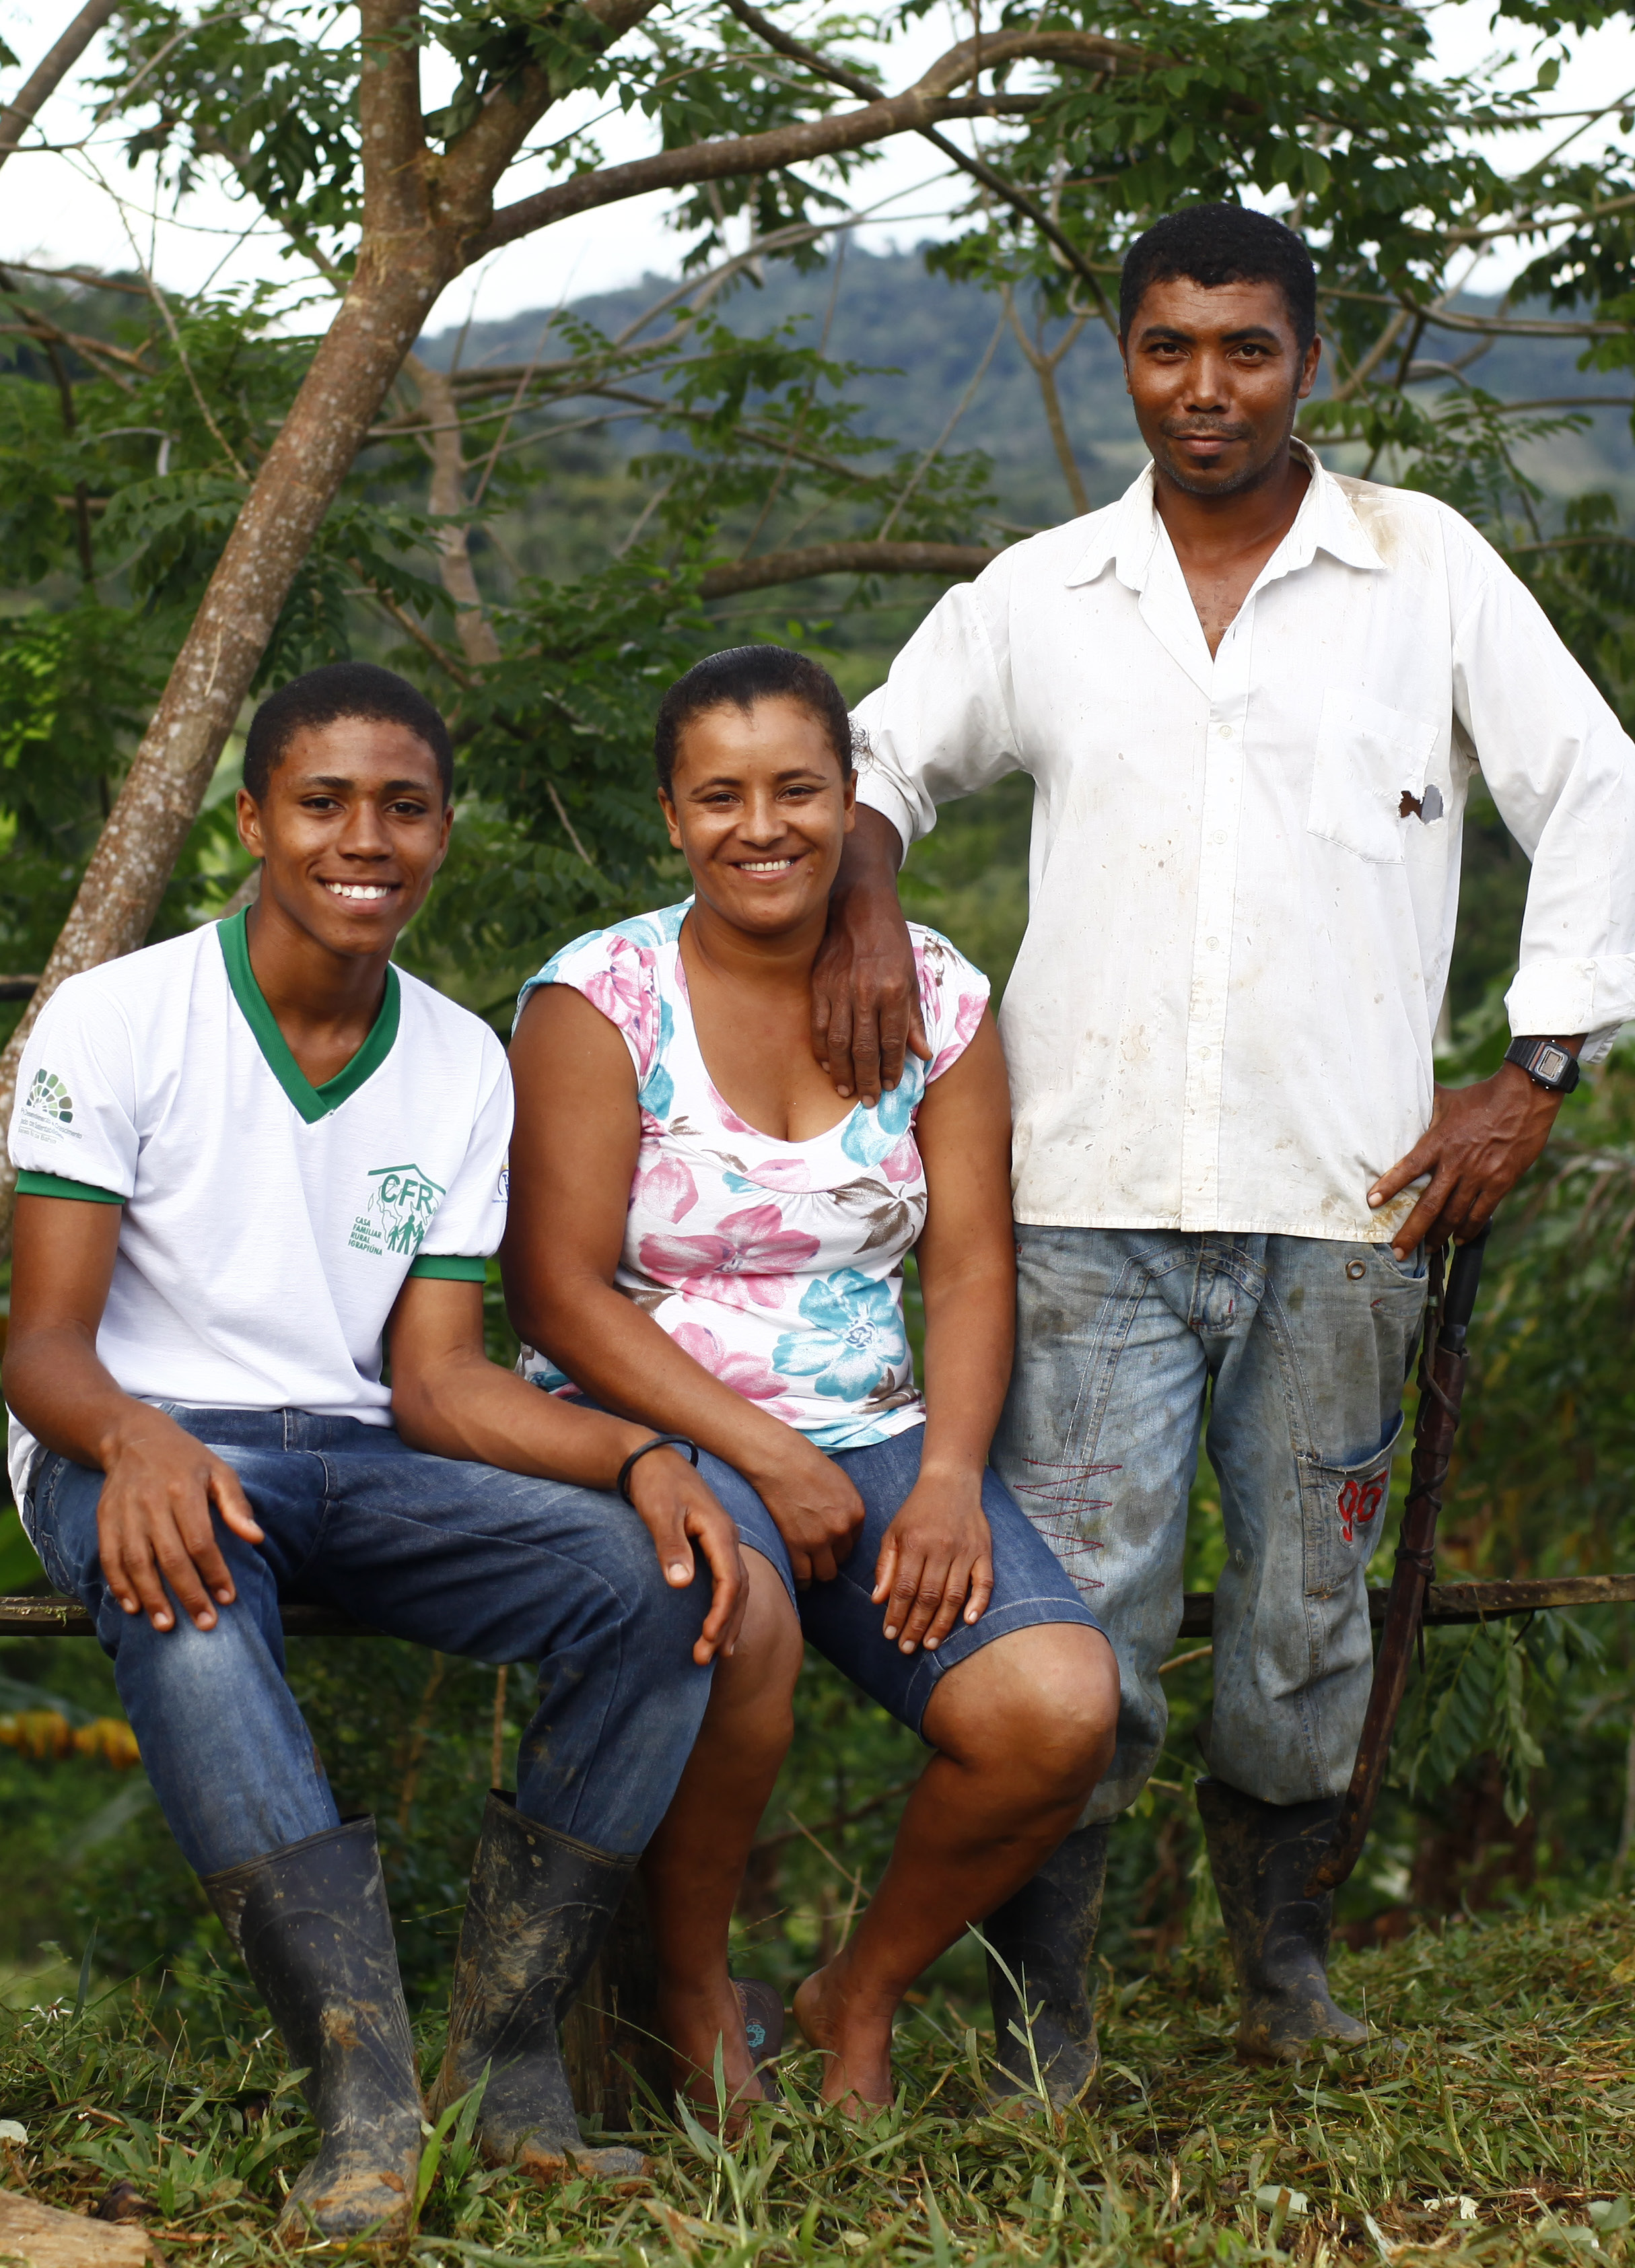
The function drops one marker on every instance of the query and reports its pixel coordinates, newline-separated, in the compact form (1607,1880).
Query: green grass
(1494,2120)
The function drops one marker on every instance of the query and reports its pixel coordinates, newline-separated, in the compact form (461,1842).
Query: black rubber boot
(1045,1935)
(539,1906)
(1261,1855)
(312,1923)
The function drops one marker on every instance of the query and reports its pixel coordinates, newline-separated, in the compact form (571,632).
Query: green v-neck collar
(313,1102)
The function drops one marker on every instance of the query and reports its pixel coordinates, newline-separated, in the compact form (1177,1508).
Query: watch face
(1551,1062)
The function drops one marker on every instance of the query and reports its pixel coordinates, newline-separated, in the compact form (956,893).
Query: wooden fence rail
(55,1616)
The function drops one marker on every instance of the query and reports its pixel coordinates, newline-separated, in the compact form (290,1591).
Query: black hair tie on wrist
(658,1442)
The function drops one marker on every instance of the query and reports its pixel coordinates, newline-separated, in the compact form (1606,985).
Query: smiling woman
(703,1233)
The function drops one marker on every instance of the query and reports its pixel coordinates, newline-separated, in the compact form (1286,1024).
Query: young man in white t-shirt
(253,1161)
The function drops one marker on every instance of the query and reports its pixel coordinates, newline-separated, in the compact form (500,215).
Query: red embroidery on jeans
(1358,1502)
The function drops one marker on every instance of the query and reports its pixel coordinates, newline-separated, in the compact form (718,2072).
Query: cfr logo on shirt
(402,1204)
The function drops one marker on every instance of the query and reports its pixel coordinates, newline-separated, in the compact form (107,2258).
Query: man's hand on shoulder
(1480,1141)
(866,997)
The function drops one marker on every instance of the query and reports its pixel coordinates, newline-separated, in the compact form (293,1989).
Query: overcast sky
(87,207)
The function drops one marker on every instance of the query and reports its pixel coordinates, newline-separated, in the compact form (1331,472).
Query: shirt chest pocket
(1367,758)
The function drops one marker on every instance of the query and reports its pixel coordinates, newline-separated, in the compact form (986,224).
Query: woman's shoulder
(953,993)
(617,970)
(608,948)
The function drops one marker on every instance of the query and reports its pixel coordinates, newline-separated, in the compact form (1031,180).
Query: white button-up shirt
(1244,869)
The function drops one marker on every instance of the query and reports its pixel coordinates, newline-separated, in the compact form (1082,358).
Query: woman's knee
(1039,1704)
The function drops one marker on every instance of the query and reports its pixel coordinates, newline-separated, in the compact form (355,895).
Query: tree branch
(18,114)
(860,558)
(927,103)
(977,168)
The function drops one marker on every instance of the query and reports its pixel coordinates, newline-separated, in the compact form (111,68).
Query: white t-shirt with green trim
(268,1225)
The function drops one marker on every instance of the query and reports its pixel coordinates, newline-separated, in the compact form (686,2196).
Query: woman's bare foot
(857,2040)
(694,2020)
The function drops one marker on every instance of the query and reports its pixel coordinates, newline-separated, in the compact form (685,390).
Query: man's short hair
(738,678)
(324,696)
(1221,244)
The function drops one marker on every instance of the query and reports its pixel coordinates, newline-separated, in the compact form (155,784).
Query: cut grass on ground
(1493,2121)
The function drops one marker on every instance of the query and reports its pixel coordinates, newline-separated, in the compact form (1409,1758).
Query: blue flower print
(856,1341)
(658,1089)
(871,1135)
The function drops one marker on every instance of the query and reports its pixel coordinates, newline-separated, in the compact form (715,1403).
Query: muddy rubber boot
(1261,1855)
(537,1911)
(1045,1935)
(311,1924)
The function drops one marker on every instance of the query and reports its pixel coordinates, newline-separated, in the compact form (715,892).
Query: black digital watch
(1546,1063)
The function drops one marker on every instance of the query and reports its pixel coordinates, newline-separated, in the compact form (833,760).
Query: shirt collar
(1126,533)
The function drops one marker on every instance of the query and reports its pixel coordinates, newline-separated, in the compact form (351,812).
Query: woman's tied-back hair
(737,679)
(1213,245)
(325,696)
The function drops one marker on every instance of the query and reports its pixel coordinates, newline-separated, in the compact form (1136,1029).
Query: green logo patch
(50,1097)
(401,1206)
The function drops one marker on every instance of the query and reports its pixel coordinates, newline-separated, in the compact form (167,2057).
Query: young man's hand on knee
(154,1517)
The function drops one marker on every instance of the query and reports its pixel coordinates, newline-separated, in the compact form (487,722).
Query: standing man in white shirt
(1250,695)
(254,1162)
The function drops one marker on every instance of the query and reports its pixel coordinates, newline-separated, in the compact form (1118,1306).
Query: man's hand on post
(680,1511)
(155,1525)
(865,994)
(1480,1141)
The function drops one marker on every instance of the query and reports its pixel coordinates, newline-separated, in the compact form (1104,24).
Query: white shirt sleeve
(940,727)
(471,1219)
(75,1116)
(1562,771)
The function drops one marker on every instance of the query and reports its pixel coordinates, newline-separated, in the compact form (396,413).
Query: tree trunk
(18,114)
(381,316)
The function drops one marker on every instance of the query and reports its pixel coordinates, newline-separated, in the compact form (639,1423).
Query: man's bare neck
(1222,542)
(324,1003)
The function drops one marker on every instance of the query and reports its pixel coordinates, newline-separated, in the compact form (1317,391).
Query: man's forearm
(616,1345)
(871,854)
(479,1413)
(56,1385)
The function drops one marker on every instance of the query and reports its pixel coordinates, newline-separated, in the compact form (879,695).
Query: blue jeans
(460,1556)
(841,1619)
(1302,1348)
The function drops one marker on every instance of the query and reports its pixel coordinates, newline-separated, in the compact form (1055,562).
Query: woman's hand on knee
(935,1564)
(155,1524)
(814,1508)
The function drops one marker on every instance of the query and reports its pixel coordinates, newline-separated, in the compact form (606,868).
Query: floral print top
(778,1265)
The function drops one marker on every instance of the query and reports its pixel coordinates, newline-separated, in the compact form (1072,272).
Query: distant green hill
(930,335)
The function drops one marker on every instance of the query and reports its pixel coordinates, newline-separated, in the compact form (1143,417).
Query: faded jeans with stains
(1297,1350)
(460,1556)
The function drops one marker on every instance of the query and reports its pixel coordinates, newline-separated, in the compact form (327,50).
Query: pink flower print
(664,1188)
(625,993)
(965,1023)
(730,1118)
(792,1173)
(746,1373)
(748,1263)
(903,1164)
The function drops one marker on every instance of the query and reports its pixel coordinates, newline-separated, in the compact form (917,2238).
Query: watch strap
(1546,1063)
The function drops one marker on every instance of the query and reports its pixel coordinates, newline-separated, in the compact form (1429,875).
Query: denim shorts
(840,1618)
